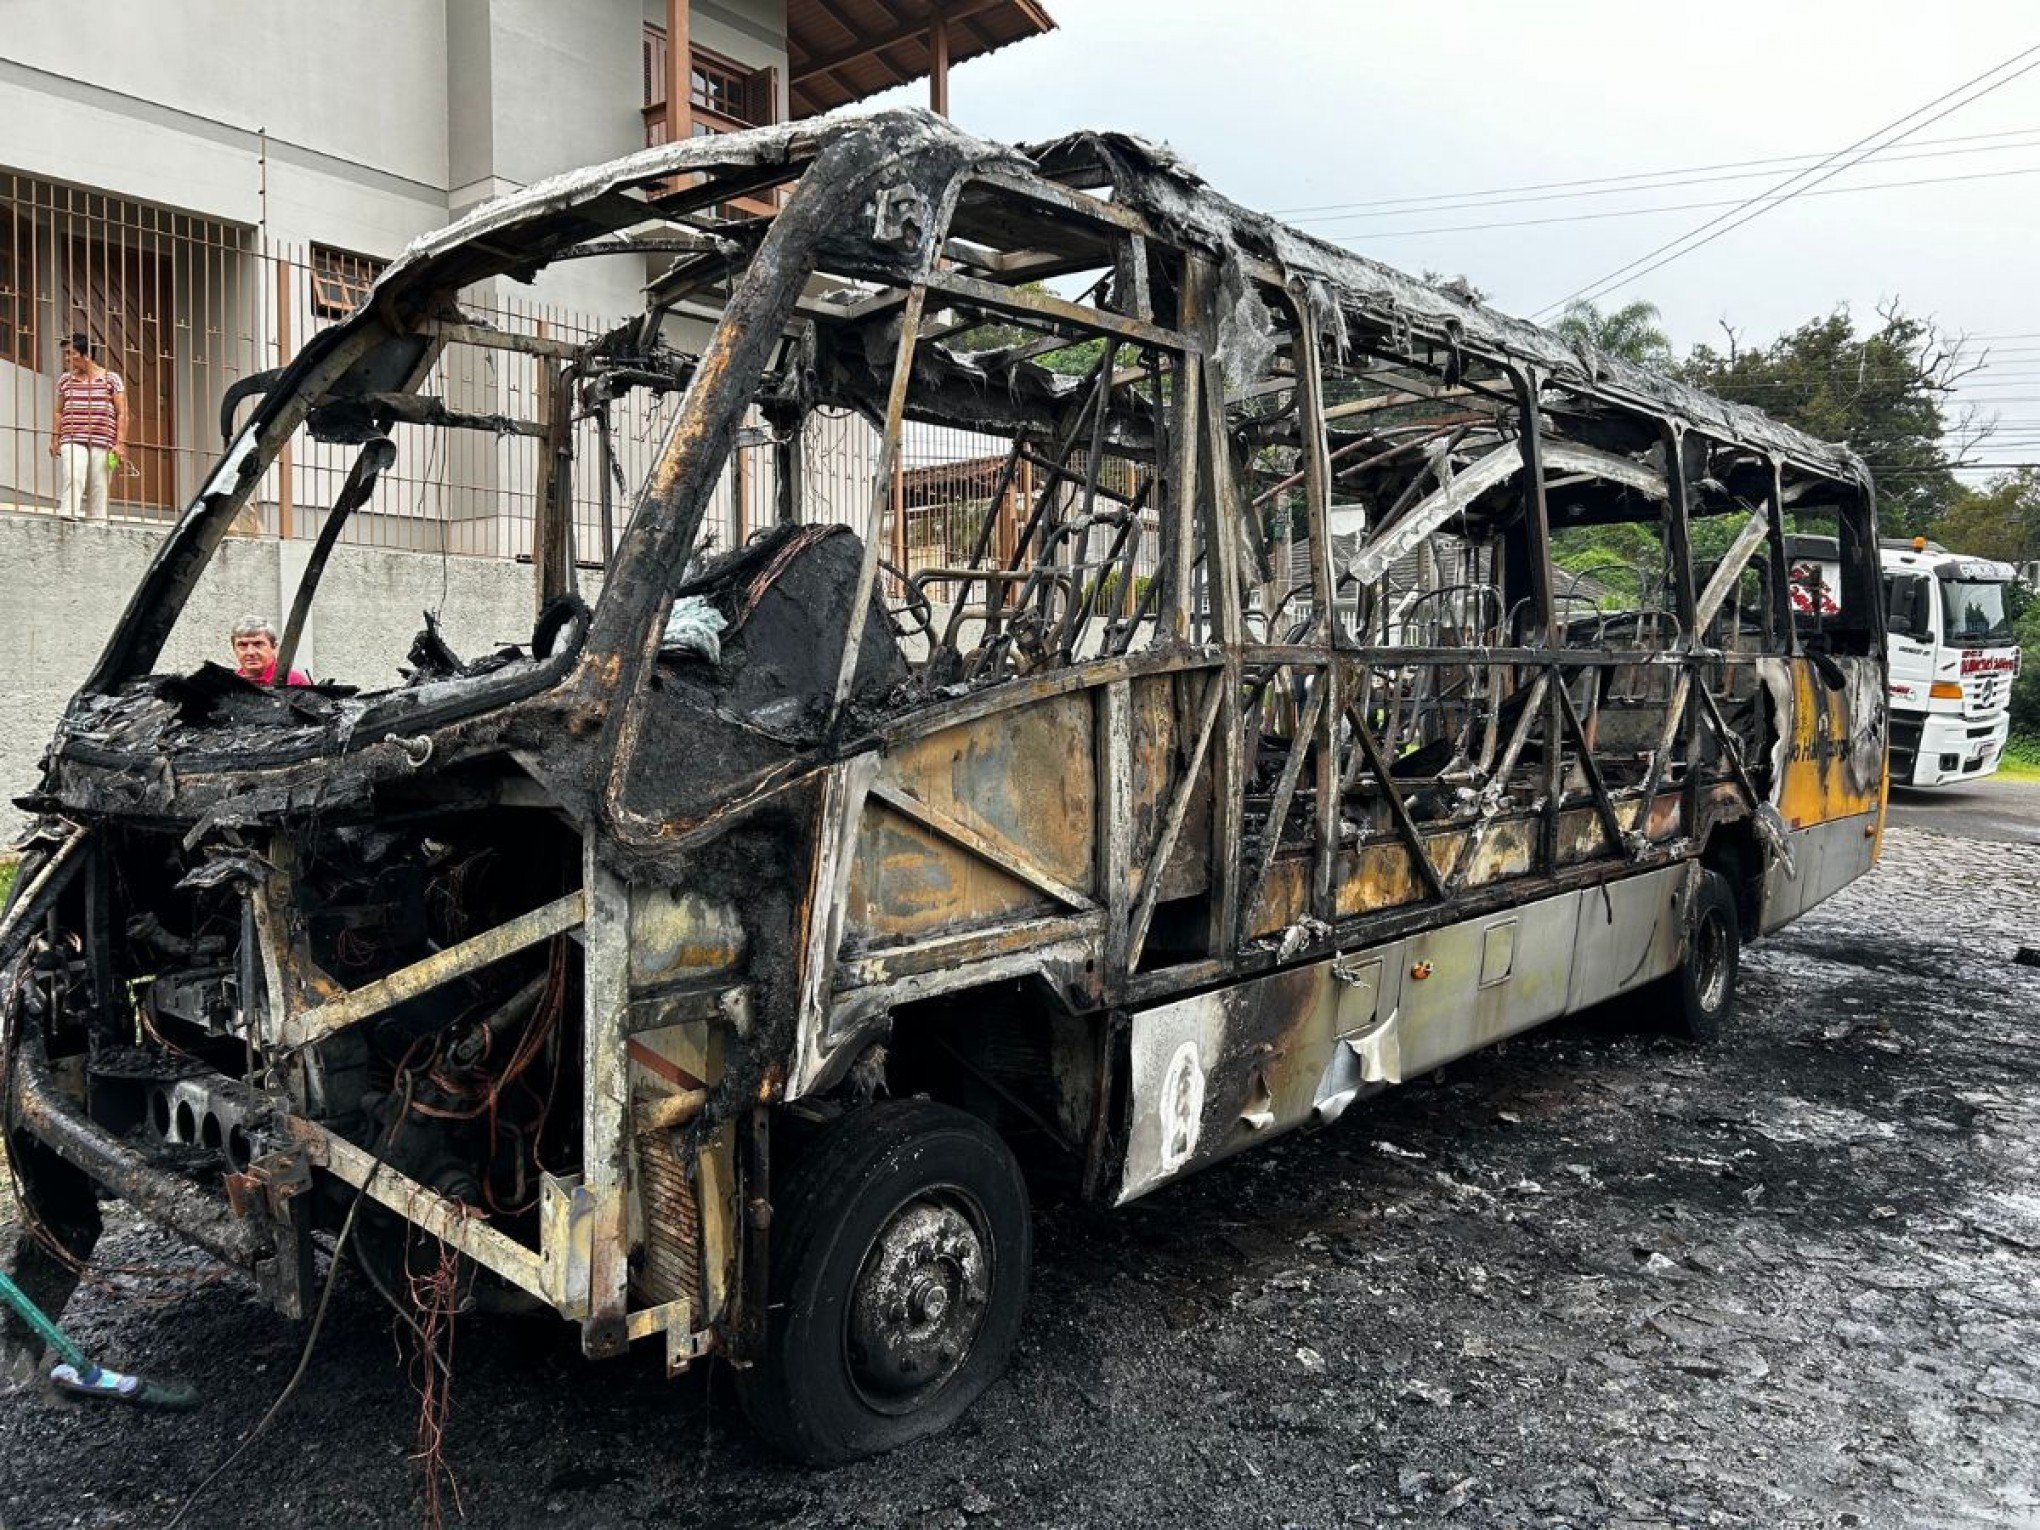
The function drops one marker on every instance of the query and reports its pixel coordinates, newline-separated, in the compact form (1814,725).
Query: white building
(198,185)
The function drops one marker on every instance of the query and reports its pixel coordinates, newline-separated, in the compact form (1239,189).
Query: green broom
(82,1377)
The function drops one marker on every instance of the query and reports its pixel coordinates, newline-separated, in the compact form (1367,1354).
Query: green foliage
(1078,360)
(2000,520)
(1635,331)
(2025,613)
(1881,392)
(1106,597)
(1625,560)
(1071,361)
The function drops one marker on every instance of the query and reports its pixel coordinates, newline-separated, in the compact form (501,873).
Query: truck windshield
(1974,612)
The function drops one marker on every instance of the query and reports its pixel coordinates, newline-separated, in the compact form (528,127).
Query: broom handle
(51,1334)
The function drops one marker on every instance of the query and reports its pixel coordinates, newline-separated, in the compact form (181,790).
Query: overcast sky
(1306,104)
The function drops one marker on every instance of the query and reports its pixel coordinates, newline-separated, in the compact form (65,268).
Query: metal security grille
(161,297)
(183,307)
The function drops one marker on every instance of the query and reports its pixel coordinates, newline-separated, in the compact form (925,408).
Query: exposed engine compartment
(472,1089)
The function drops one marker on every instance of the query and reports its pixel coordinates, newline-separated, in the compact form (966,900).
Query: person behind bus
(255,653)
(90,434)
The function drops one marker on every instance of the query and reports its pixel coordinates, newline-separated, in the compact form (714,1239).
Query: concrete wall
(63,587)
(537,87)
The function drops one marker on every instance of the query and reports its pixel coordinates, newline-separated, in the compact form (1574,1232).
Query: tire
(1696,1000)
(900,1254)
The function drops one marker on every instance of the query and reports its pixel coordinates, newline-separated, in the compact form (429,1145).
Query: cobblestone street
(1589,1278)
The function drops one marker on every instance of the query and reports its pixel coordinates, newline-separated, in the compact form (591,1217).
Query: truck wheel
(1697,998)
(899,1270)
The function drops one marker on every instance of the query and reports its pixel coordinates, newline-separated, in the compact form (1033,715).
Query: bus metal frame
(1220,848)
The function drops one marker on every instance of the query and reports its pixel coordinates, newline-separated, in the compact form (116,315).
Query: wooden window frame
(763,80)
(340,280)
(18,331)
(652,60)
(704,120)
(708,73)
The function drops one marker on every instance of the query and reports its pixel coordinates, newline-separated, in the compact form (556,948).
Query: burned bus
(1330,677)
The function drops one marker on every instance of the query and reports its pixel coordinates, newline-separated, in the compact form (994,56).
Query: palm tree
(1635,331)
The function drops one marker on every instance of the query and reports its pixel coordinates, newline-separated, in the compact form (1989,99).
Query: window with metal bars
(340,280)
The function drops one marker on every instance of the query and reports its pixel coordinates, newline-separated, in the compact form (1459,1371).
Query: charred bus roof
(865,197)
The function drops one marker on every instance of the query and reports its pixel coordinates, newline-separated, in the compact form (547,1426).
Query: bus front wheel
(900,1251)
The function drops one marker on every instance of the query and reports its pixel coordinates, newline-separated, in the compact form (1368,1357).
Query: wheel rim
(920,1300)
(1710,961)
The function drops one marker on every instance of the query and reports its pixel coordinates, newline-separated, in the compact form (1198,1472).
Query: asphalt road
(1997,808)
(1589,1278)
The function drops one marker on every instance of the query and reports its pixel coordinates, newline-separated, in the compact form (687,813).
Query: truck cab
(1953,658)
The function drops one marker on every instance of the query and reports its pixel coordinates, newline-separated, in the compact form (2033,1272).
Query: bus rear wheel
(1696,1000)
(900,1254)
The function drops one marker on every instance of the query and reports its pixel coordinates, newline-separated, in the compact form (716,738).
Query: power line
(1642,212)
(1843,383)
(1953,467)
(1382,210)
(1721,224)
(2007,375)
(1602,180)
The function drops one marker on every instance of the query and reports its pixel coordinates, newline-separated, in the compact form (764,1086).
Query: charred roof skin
(1343,286)
(521,230)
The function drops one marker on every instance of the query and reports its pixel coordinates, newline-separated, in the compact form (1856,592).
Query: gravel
(1588,1278)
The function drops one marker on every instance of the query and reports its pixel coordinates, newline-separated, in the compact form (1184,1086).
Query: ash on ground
(1589,1278)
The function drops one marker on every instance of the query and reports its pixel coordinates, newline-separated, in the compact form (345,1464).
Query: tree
(1076,359)
(2025,698)
(2001,520)
(1635,331)
(1884,393)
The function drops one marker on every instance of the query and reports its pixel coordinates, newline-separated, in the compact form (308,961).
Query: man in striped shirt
(90,434)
